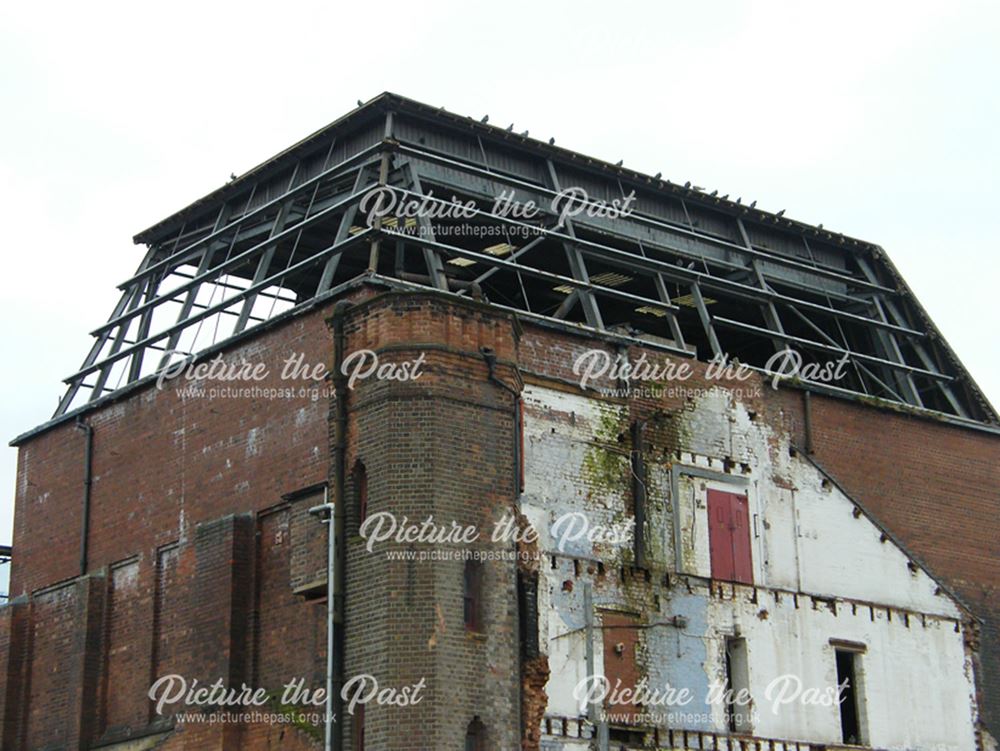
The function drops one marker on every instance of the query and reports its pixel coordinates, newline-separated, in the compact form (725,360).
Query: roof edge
(564,327)
(389,100)
(945,588)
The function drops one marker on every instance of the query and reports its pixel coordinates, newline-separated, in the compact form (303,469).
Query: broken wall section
(821,571)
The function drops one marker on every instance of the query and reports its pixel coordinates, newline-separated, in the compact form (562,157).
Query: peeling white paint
(125,576)
(822,570)
(253,442)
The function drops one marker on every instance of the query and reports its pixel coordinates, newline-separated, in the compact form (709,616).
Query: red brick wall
(200,555)
(64,650)
(289,634)
(174,483)
(933,485)
(163,464)
(187,509)
(126,665)
(441,445)
(13,654)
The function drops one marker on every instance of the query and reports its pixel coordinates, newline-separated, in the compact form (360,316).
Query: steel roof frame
(281,234)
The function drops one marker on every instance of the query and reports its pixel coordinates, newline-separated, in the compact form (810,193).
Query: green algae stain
(605,466)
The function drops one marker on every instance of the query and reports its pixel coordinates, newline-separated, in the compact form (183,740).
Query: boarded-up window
(729,536)
(126,667)
(289,629)
(527,611)
(306,536)
(739,710)
(359,476)
(168,621)
(472,595)
(621,644)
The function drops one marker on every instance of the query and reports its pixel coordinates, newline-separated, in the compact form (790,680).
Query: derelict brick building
(820,528)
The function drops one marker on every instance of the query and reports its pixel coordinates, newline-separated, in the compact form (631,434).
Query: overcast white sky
(879,120)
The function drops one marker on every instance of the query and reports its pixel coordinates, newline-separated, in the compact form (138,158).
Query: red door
(720,537)
(729,536)
(621,648)
(742,565)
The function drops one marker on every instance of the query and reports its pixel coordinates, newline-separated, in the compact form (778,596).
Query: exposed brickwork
(289,637)
(441,445)
(163,464)
(126,661)
(64,663)
(14,624)
(534,676)
(195,556)
(175,484)
(935,486)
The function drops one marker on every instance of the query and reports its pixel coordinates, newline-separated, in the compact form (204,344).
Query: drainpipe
(88,462)
(325,513)
(807,421)
(490,356)
(594,713)
(639,492)
(491,363)
(339,519)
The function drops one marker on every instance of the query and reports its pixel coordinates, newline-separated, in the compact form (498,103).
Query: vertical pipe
(88,461)
(331,611)
(518,447)
(491,365)
(594,713)
(331,553)
(490,357)
(639,493)
(325,513)
(807,420)
(588,646)
(339,514)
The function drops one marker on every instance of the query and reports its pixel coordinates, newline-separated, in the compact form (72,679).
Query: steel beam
(264,264)
(728,322)
(706,320)
(691,235)
(708,280)
(233,262)
(218,307)
(435,269)
(345,167)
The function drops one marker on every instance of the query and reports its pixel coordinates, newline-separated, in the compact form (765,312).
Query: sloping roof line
(895,539)
(388,101)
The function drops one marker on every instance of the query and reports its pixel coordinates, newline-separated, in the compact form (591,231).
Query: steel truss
(687,272)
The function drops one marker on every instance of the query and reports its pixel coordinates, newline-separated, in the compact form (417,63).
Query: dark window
(729,537)
(358,728)
(475,736)
(627,735)
(847,678)
(472,589)
(738,707)
(360,475)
